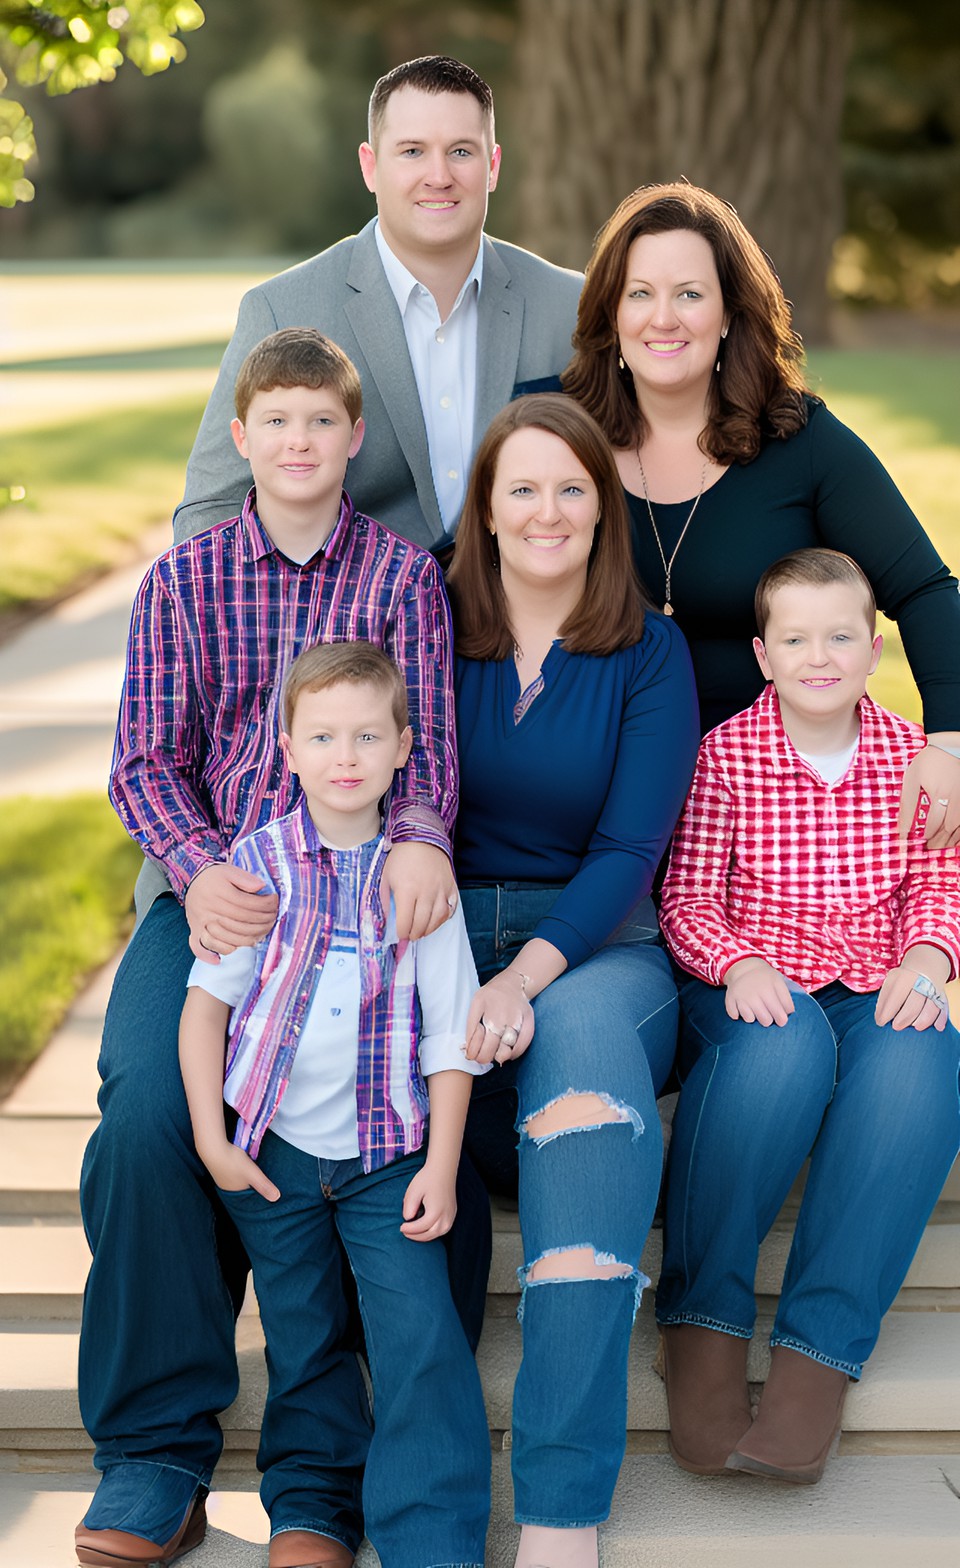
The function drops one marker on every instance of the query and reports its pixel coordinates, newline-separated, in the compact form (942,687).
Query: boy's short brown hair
(298,357)
(813,568)
(333,663)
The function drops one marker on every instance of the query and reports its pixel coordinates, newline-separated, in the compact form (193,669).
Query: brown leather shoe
(118,1549)
(798,1423)
(705,1373)
(307,1549)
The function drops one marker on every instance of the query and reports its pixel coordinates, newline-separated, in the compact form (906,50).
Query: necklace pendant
(668,608)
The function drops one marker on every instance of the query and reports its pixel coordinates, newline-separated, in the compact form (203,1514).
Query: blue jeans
(608,1028)
(426,1493)
(157,1357)
(878,1112)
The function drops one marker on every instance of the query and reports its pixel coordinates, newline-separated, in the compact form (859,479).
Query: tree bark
(743,97)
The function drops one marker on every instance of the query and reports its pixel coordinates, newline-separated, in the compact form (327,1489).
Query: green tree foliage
(66,44)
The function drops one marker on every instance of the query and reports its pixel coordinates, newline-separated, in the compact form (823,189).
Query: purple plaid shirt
(265,1028)
(216,624)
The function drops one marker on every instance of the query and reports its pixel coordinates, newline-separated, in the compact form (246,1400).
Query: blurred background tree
(66,44)
(833,126)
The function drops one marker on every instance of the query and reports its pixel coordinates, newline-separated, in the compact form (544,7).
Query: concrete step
(911,1386)
(45,1262)
(40,1159)
(866,1513)
(936,1265)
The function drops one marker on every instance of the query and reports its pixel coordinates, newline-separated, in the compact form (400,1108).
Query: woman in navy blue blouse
(578,728)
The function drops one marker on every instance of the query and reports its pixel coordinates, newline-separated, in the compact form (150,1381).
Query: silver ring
(925,987)
(491,1030)
(509,1038)
(452,901)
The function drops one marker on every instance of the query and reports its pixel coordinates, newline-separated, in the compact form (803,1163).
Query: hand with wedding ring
(489,1040)
(911,1000)
(937,774)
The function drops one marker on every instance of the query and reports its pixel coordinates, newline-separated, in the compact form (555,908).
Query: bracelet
(524,982)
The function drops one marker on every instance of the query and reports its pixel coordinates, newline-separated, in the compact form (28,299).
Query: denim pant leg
(606,1028)
(749,1110)
(426,1493)
(316,1423)
(885,1149)
(157,1356)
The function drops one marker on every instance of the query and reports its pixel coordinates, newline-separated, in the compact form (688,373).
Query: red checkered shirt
(769,861)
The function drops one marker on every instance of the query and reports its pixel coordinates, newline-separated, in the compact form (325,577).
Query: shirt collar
(776,743)
(402,281)
(258,541)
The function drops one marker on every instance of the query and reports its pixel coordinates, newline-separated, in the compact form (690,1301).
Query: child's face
(297,441)
(818,649)
(344,745)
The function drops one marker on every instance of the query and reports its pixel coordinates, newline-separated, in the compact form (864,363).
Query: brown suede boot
(705,1372)
(798,1423)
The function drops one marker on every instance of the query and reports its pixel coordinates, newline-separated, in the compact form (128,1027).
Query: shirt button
(439,337)
(445,402)
(451,473)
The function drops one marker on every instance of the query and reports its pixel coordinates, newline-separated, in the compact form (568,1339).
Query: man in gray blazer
(441,321)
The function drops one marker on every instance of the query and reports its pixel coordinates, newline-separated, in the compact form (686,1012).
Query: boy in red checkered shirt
(813,945)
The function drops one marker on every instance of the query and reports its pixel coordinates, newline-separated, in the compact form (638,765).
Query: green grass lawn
(905,406)
(93,487)
(67,869)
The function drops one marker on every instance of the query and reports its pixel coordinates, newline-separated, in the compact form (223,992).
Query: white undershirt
(444,359)
(832,765)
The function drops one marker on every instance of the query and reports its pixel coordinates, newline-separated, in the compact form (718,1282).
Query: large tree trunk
(741,96)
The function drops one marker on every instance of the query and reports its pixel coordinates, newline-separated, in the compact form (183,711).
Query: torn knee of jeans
(578,1110)
(577,1265)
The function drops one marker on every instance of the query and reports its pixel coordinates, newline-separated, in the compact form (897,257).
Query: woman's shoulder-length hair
(759,390)
(610,613)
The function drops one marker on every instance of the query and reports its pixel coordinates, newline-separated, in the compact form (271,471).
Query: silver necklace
(668,565)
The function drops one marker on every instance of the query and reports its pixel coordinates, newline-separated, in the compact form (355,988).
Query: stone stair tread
(40,1161)
(866,1513)
(912,1383)
(45,1264)
(44,1270)
(936,1265)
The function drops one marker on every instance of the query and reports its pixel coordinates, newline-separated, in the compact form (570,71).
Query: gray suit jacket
(527,312)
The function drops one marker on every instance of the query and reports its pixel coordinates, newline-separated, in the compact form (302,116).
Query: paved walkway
(60,679)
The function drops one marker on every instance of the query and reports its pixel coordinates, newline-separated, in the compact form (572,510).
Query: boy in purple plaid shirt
(216,624)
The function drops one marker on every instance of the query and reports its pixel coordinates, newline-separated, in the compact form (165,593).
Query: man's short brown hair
(432,73)
(333,663)
(298,357)
(813,569)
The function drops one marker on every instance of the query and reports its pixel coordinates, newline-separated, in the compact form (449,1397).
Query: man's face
(431,172)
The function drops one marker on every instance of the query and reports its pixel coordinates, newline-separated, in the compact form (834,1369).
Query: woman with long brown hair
(685,355)
(577,731)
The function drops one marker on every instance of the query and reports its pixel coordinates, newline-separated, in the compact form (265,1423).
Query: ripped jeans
(607,1030)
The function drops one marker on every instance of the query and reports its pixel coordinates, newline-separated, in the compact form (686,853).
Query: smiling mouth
(436,206)
(824,680)
(665,348)
(545,541)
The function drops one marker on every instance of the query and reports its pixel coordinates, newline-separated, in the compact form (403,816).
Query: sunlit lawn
(61,915)
(907,408)
(92,488)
